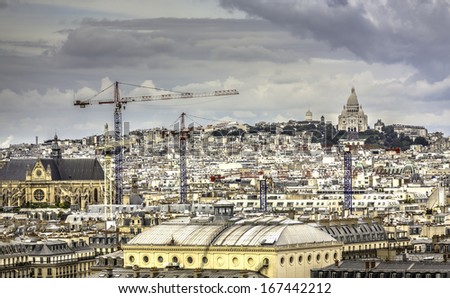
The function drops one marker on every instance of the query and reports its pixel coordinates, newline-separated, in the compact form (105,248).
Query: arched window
(95,195)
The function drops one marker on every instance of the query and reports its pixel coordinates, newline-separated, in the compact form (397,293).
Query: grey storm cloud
(284,58)
(412,32)
(104,42)
(96,45)
(3,3)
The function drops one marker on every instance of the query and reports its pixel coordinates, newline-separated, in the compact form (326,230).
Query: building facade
(271,246)
(14,261)
(51,181)
(411,131)
(46,259)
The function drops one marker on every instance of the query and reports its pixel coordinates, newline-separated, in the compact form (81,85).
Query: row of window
(56,259)
(15,274)
(137,231)
(333,274)
(359,238)
(64,270)
(13,261)
(103,240)
(41,260)
(190,260)
(363,204)
(309,258)
(366,246)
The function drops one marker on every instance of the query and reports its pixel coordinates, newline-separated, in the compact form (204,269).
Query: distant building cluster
(263,200)
(411,131)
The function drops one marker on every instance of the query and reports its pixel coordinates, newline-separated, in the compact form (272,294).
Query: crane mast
(118,152)
(348,173)
(183,170)
(119,103)
(348,193)
(108,151)
(263,195)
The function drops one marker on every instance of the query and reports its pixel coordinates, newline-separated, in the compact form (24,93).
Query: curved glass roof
(268,230)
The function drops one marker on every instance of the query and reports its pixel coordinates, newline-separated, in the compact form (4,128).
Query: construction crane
(352,136)
(263,195)
(183,170)
(348,190)
(119,103)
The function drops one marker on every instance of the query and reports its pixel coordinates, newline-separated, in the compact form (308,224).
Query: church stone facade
(352,117)
(51,181)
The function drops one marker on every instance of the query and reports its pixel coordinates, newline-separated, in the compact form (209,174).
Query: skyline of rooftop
(279,57)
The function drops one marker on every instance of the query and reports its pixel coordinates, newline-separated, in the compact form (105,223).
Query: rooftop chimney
(336,262)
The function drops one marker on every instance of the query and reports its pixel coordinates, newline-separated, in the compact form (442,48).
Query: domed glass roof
(275,231)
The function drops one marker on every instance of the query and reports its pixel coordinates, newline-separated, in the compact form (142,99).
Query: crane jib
(127,99)
(118,152)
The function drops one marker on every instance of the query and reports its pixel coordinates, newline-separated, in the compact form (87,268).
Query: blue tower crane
(348,191)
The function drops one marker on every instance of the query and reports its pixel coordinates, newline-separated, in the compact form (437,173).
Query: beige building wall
(360,247)
(430,231)
(81,192)
(296,261)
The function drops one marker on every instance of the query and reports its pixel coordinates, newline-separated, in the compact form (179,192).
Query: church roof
(16,169)
(352,99)
(61,169)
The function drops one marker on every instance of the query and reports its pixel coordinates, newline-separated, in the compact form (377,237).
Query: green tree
(420,141)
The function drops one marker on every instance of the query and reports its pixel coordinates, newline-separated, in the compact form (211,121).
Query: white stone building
(352,117)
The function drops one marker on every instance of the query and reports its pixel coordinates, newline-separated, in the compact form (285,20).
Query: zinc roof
(272,231)
(178,234)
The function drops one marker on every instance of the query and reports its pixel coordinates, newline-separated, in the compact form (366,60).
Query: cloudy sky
(285,57)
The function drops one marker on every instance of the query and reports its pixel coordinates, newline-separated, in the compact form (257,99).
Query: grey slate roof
(361,231)
(48,248)
(390,266)
(16,169)
(62,169)
(8,249)
(176,273)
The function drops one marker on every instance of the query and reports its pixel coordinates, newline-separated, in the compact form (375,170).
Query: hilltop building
(379,126)
(309,116)
(352,117)
(51,181)
(309,120)
(411,131)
